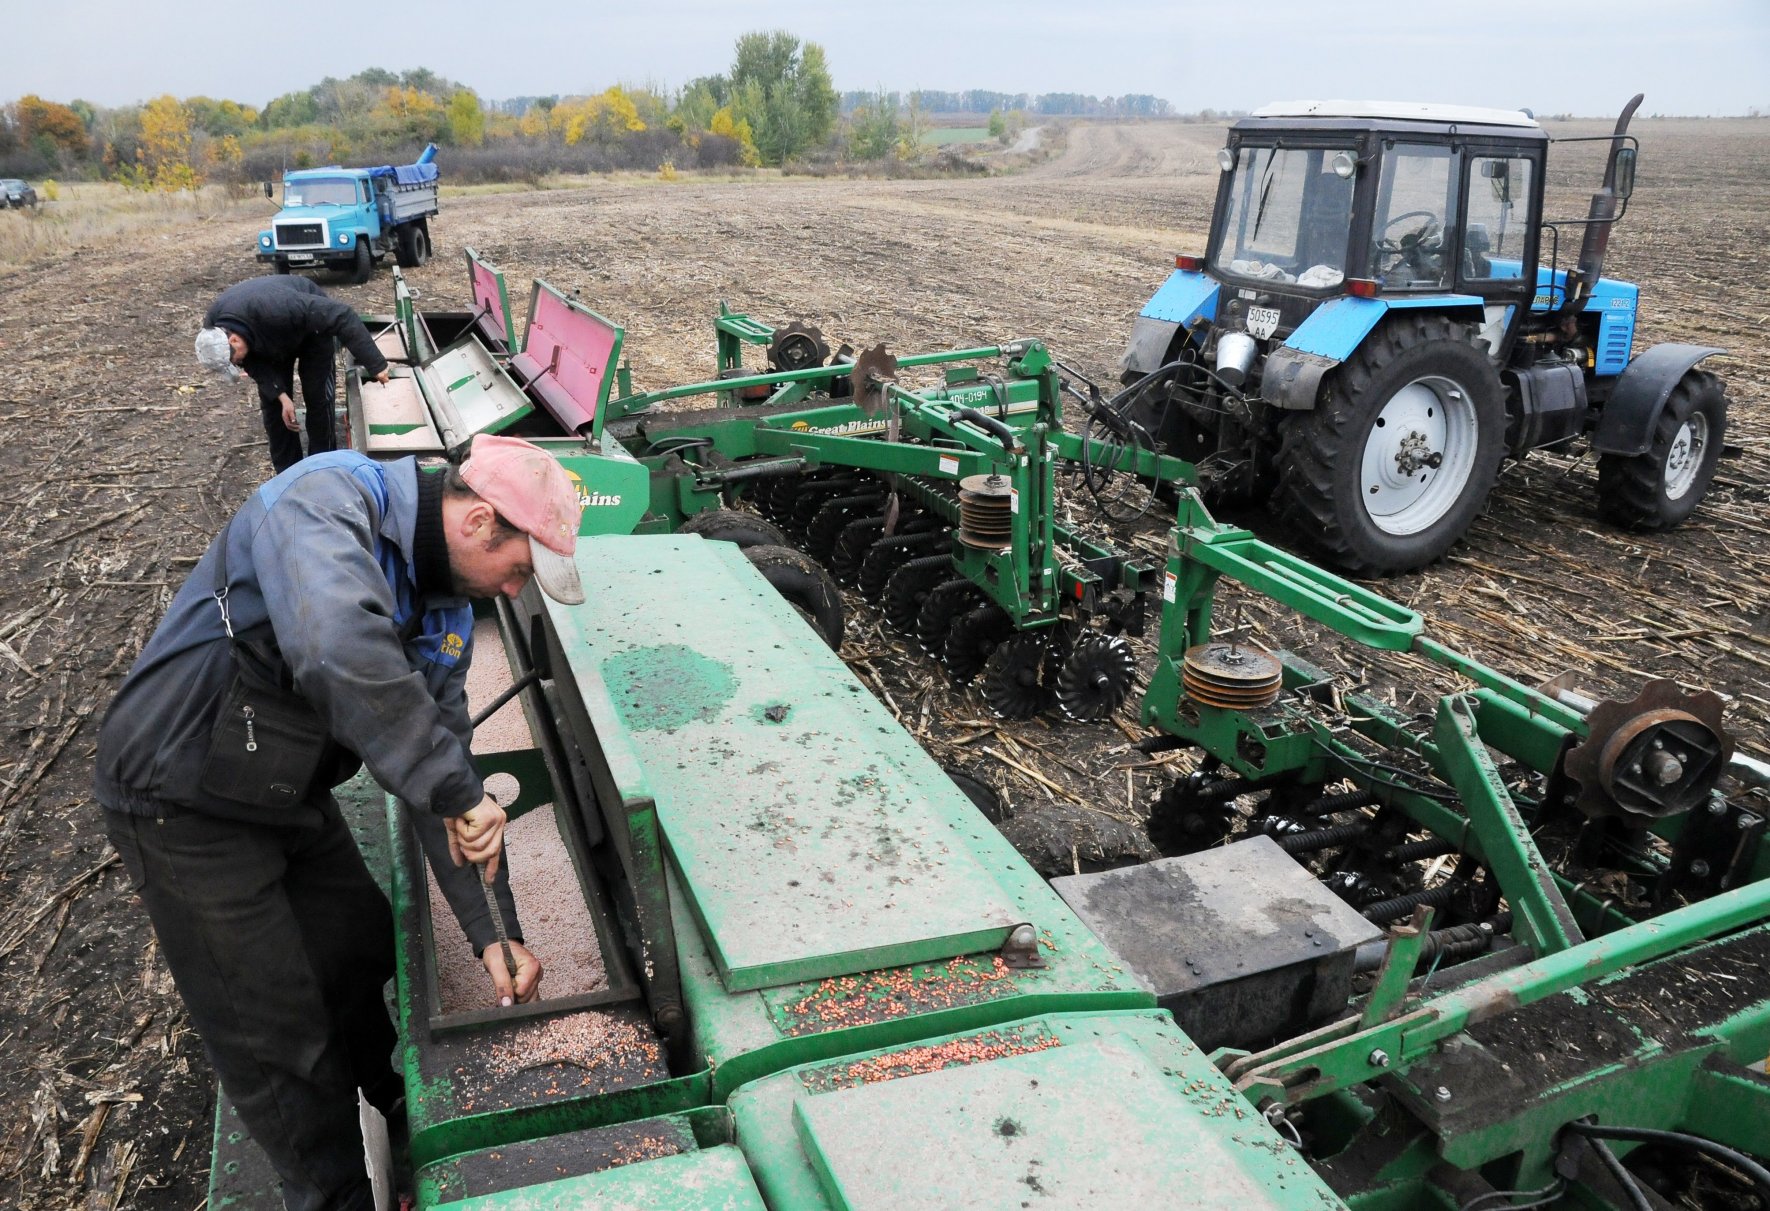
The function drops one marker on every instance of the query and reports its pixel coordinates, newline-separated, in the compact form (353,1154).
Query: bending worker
(270,328)
(328,622)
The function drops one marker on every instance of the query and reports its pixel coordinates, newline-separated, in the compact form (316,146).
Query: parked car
(18,193)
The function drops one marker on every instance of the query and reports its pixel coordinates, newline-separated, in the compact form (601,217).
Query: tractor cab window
(1289,217)
(339,192)
(1496,206)
(1415,209)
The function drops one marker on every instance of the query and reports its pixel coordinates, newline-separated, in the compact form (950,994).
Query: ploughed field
(121,461)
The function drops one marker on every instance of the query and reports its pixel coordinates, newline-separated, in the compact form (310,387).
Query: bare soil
(122,461)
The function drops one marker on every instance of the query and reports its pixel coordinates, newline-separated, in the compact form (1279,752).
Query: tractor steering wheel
(1413,239)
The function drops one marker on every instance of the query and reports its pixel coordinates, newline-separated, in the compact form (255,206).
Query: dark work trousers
(317,366)
(279,942)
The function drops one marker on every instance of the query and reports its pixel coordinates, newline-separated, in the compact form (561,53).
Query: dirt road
(121,461)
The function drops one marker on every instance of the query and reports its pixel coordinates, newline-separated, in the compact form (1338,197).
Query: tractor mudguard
(1330,335)
(1627,422)
(1184,297)
(1148,347)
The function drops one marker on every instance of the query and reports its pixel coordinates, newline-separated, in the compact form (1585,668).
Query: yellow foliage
(667,171)
(51,191)
(410,105)
(224,152)
(163,161)
(725,124)
(602,118)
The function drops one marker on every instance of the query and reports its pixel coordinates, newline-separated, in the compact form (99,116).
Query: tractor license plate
(301,256)
(1262,321)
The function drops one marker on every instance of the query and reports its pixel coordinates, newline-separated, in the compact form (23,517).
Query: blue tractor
(1381,316)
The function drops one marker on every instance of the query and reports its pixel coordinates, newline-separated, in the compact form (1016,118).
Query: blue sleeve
(332,612)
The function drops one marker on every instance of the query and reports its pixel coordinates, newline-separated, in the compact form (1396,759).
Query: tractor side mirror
(1623,168)
(268,191)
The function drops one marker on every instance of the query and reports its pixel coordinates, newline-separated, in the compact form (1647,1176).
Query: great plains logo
(588,499)
(842,430)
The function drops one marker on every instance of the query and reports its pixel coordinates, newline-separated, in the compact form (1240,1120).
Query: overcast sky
(1552,56)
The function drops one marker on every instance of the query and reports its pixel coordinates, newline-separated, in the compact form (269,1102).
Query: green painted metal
(701,1180)
(1543,921)
(789,785)
(1083,1110)
(1336,1057)
(475,387)
(1397,971)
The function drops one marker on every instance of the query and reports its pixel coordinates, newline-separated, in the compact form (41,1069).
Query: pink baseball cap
(530,490)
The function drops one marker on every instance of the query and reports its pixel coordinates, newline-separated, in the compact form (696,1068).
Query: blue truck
(348,218)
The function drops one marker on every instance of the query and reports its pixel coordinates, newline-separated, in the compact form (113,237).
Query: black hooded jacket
(281,317)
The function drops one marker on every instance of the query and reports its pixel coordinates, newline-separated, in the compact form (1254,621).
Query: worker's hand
(382,378)
(289,422)
(477,835)
(528,973)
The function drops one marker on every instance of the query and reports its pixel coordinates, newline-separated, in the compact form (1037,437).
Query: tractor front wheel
(1659,489)
(1397,459)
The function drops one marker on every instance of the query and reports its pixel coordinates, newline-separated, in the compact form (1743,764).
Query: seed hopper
(1507,950)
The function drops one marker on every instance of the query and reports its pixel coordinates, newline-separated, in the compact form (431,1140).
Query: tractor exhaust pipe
(1600,217)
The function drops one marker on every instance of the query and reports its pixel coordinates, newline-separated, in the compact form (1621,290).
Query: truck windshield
(1289,217)
(340,192)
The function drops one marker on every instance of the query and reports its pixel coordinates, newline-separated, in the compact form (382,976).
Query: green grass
(940,136)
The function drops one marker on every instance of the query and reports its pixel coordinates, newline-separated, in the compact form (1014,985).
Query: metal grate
(300,235)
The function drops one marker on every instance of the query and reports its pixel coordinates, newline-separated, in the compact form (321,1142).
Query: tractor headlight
(1225,159)
(1344,165)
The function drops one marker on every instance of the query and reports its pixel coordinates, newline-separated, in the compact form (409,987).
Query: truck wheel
(421,242)
(1398,457)
(405,250)
(282,264)
(1659,489)
(364,266)
(807,588)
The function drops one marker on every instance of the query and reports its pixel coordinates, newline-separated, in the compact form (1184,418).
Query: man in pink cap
(344,585)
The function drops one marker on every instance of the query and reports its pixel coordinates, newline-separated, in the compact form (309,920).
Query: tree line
(775,105)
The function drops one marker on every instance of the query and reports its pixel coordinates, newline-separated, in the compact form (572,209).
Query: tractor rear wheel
(1659,489)
(1397,459)
(807,588)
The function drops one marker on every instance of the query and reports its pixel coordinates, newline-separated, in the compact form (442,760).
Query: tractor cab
(1324,199)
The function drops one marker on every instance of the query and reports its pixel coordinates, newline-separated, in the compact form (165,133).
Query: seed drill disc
(873,368)
(1231,676)
(797,346)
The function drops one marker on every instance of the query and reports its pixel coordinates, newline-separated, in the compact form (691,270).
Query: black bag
(269,748)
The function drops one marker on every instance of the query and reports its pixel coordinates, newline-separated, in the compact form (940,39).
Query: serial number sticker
(949,466)
(1262,321)
(1013,500)
(1169,583)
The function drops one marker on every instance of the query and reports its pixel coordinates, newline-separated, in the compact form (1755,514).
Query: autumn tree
(163,159)
(467,120)
(54,130)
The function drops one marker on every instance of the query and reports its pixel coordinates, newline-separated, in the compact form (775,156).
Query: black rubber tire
(984,797)
(281,264)
(729,525)
(421,246)
(363,268)
(797,578)
(405,252)
(1632,488)
(1321,493)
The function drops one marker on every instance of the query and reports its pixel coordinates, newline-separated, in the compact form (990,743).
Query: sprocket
(1096,677)
(1011,683)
